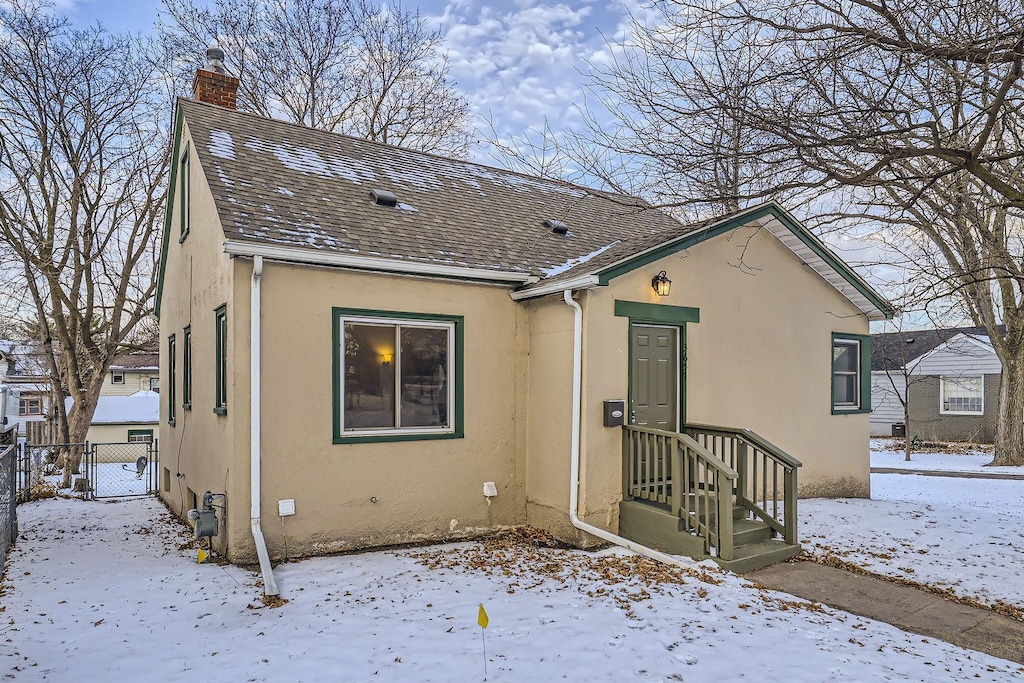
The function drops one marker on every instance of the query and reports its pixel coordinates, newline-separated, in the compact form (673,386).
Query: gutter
(574,471)
(323,258)
(269,585)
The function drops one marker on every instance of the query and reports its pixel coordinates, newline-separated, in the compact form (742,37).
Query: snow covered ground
(889,453)
(96,590)
(954,533)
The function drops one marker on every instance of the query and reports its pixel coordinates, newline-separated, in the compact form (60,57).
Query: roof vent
(384,198)
(557,227)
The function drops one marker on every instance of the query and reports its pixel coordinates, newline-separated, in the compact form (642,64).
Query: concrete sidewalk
(948,473)
(906,608)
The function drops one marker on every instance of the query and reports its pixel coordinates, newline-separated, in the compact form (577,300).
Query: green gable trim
(168,210)
(337,362)
(863,372)
(656,313)
(686,242)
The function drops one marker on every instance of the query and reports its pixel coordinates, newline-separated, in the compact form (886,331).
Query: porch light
(661,284)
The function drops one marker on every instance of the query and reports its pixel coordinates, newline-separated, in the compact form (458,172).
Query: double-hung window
(397,376)
(962,394)
(117,376)
(851,363)
(30,406)
(172,349)
(220,405)
(186,368)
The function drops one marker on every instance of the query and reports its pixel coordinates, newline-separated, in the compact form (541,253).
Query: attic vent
(557,227)
(384,198)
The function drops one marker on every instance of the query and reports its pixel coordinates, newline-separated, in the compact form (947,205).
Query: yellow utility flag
(201,556)
(481,618)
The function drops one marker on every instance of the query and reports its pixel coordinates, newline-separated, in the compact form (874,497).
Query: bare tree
(83,171)
(344,66)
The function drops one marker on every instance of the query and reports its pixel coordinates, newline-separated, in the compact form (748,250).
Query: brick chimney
(212,83)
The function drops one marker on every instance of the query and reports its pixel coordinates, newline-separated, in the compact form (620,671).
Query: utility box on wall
(614,413)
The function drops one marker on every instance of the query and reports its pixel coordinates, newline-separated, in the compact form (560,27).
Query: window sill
(849,411)
(183,236)
(171,421)
(221,411)
(958,412)
(186,406)
(382,438)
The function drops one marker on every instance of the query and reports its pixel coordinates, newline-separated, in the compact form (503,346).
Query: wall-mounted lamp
(661,284)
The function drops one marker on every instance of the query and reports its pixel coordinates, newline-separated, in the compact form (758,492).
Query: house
(954,378)
(381,346)
(133,372)
(25,389)
(124,419)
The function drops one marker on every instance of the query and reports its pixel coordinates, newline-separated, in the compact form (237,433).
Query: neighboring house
(133,372)
(124,419)
(390,347)
(25,389)
(954,377)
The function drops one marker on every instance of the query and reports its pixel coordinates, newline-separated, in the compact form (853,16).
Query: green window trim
(220,405)
(171,371)
(185,199)
(658,314)
(338,363)
(186,368)
(863,373)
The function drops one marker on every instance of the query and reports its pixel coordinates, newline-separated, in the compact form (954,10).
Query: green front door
(654,390)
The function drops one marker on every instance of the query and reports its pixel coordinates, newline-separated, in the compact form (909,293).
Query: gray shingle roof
(289,185)
(893,350)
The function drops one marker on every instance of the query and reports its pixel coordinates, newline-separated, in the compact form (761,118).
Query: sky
(520,62)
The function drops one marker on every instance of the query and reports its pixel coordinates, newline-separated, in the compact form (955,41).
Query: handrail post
(725,539)
(790,503)
(677,472)
(741,470)
(627,455)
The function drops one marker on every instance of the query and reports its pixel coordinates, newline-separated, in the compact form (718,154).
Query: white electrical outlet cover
(490,490)
(286,507)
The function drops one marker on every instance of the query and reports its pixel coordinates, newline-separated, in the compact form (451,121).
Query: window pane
(844,390)
(369,376)
(844,357)
(962,394)
(424,368)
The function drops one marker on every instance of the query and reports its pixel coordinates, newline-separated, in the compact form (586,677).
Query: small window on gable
(851,385)
(184,191)
(117,376)
(962,394)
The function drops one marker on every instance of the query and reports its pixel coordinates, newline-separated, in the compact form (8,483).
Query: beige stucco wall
(199,452)
(423,489)
(759,358)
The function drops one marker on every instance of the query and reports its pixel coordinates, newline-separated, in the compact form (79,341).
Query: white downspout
(574,469)
(269,585)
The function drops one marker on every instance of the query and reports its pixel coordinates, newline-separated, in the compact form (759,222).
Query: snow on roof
(142,407)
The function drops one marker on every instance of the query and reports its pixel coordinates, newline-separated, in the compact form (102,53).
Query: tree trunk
(78,429)
(906,420)
(1010,425)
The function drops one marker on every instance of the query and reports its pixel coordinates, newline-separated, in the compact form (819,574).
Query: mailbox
(614,413)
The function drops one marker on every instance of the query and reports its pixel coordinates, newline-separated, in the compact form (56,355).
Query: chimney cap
(215,60)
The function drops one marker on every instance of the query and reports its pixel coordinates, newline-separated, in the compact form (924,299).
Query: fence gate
(120,470)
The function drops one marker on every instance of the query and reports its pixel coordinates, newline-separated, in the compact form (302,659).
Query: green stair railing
(673,469)
(767,475)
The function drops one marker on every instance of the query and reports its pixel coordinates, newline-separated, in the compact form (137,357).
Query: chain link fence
(120,470)
(8,499)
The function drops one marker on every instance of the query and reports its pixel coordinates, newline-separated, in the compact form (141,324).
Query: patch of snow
(579,260)
(407,207)
(888,453)
(126,586)
(221,144)
(285,191)
(142,406)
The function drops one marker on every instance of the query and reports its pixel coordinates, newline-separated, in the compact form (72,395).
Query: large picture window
(851,362)
(962,395)
(397,375)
